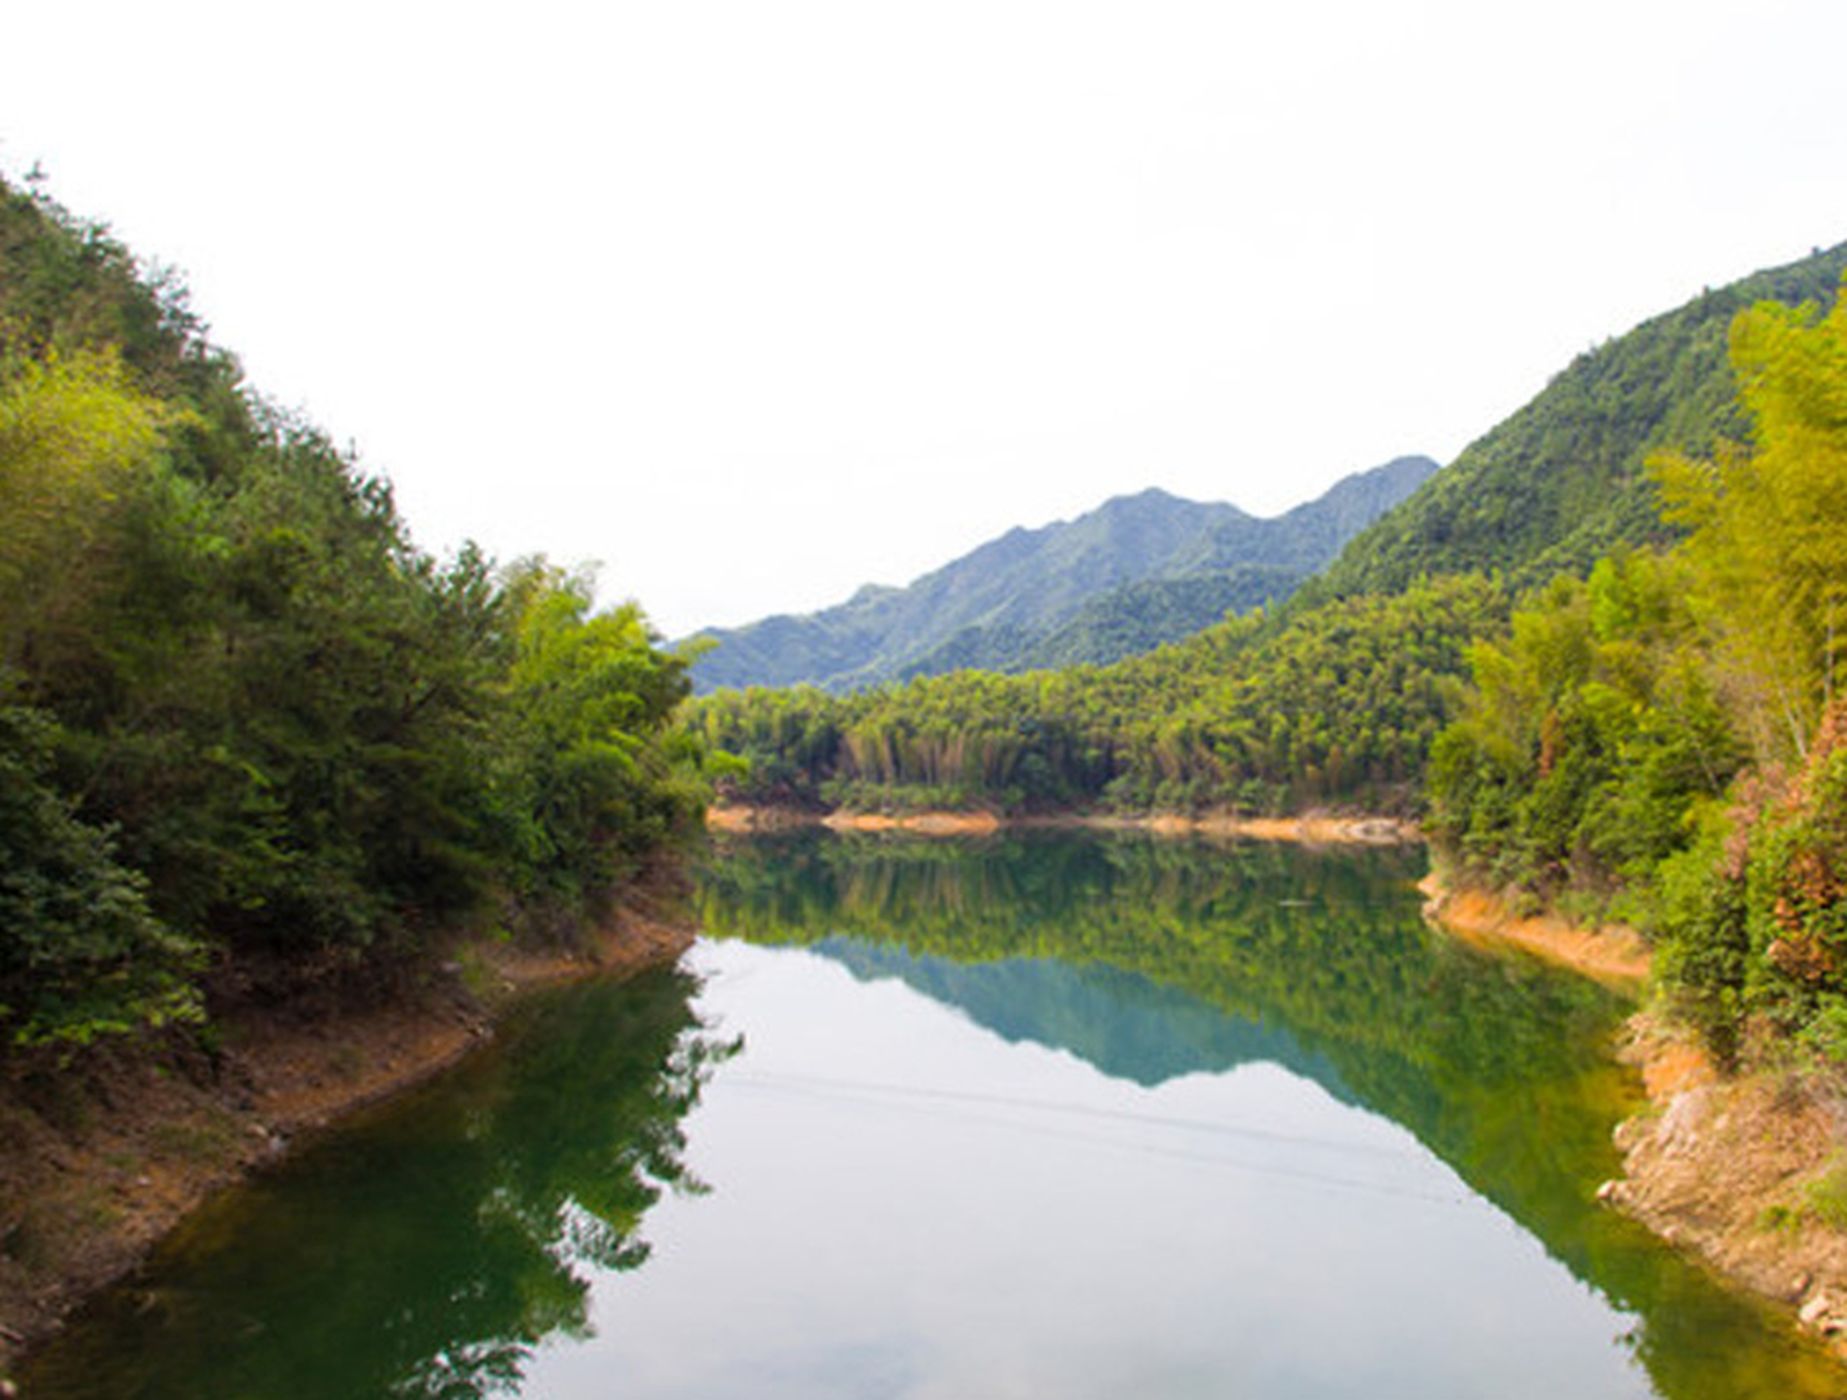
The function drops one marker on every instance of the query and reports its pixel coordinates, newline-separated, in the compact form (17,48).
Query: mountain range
(1138,571)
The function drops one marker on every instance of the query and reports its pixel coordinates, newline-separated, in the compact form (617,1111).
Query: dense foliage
(1266,713)
(1668,738)
(243,719)
(1071,591)
(1588,733)
(1562,482)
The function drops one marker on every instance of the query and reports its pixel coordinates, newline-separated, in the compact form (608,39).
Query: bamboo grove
(1265,713)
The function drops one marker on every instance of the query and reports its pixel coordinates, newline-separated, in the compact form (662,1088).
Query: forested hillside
(1136,572)
(1668,740)
(1562,482)
(1138,617)
(249,732)
(1265,713)
(1335,696)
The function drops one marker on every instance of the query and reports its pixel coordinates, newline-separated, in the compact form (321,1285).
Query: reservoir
(1041,1114)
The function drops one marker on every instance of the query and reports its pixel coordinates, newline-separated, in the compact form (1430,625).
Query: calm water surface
(1050,1116)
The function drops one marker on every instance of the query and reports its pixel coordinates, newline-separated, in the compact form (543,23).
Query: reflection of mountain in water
(1119,1022)
(432,1249)
(1150,958)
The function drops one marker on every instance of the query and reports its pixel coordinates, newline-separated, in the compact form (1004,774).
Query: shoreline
(1725,1166)
(1612,954)
(1312,828)
(107,1164)
(1718,1166)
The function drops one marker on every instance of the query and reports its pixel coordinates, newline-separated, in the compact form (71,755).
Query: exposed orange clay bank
(1613,954)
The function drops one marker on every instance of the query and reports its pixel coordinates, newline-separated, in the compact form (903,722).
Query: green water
(1049,1115)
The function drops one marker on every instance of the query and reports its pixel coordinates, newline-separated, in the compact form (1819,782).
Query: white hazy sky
(755,302)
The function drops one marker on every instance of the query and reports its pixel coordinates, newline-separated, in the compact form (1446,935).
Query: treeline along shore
(263,761)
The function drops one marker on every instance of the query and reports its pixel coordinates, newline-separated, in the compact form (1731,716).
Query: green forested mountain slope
(1667,738)
(1336,695)
(1125,621)
(1140,616)
(1560,483)
(249,732)
(1003,606)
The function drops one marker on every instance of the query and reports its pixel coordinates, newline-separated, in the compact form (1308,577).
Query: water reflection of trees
(1500,1066)
(1316,940)
(428,1252)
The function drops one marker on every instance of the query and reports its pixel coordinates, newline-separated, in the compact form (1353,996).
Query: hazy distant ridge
(1137,571)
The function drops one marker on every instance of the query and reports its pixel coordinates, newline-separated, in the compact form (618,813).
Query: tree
(1768,527)
(73,431)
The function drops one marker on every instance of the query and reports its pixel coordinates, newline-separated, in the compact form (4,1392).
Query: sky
(753,303)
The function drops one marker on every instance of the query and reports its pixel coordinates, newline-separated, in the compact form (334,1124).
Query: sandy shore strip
(1315,828)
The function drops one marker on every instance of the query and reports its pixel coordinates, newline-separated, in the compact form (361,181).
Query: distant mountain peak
(1178,565)
(1148,493)
(1156,501)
